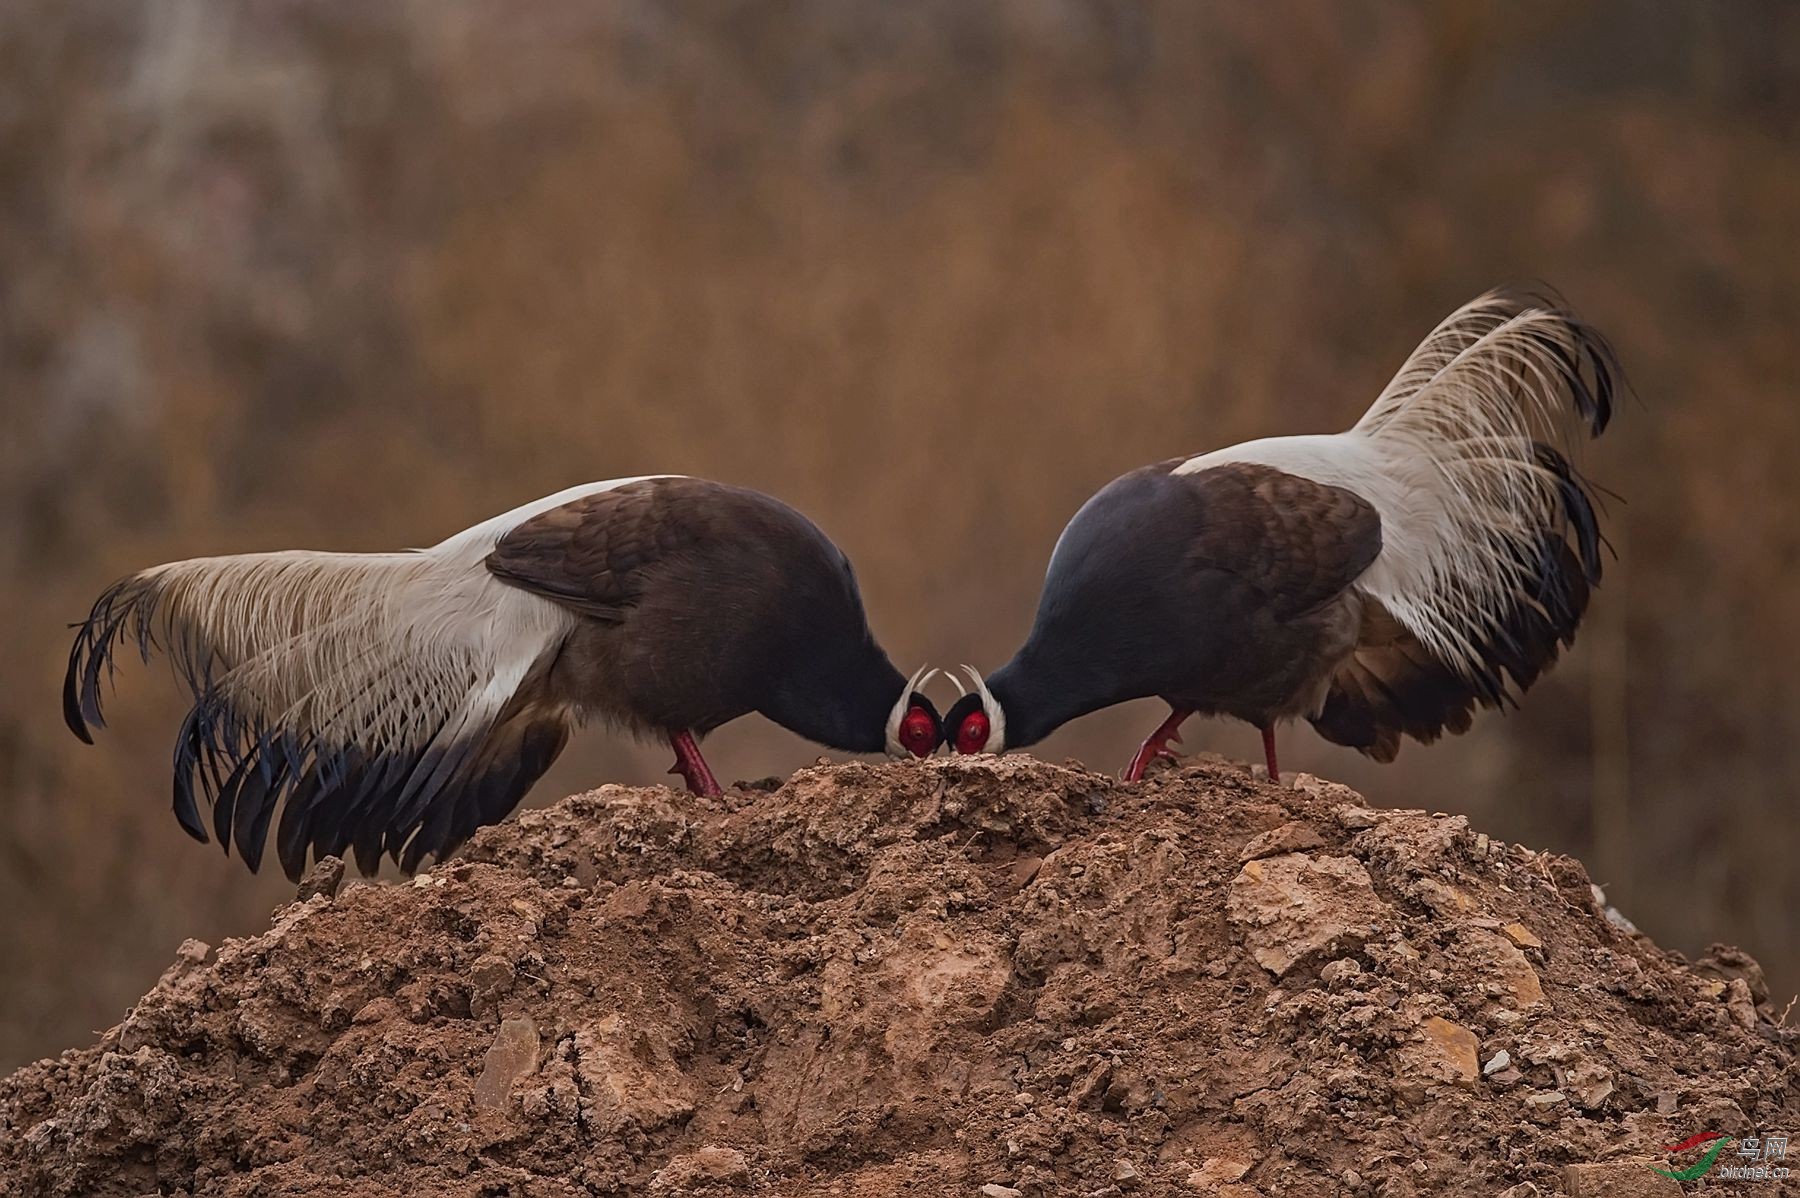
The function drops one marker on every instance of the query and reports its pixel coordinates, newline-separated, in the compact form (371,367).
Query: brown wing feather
(590,555)
(1299,542)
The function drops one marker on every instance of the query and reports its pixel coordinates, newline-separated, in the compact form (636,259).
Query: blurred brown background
(354,276)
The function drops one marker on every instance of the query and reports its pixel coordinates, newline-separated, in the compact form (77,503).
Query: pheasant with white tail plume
(399,701)
(1380,582)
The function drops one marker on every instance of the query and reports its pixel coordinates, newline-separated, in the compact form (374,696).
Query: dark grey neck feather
(840,699)
(1039,692)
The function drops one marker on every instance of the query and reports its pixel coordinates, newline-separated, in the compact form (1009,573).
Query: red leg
(1157,744)
(691,766)
(1268,732)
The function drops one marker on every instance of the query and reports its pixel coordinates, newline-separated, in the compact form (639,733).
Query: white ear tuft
(920,678)
(996,742)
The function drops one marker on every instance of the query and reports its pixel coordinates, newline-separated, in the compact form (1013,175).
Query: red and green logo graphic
(1714,1141)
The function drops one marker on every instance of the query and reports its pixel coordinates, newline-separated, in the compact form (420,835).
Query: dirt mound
(971,977)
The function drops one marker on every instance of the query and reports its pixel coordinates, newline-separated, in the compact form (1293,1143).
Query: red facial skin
(918,732)
(972,736)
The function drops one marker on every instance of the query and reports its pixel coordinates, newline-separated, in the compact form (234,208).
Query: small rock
(1619,1179)
(1524,1189)
(1128,1090)
(994,1189)
(1024,870)
(1724,961)
(1217,1171)
(1443,1052)
(1548,1050)
(1312,784)
(1446,902)
(1520,935)
(1292,837)
(323,878)
(1613,915)
(1125,1174)
(376,1010)
(1505,967)
(185,968)
(1341,972)
(532,917)
(1496,1063)
(1667,1103)
(631,1076)
(712,1164)
(1355,818)
(1094,1083)
(1740,1004)
(1294,907)
(1590,1085)
(1545,1106)
(183,983)
(491,978)
(513,1054)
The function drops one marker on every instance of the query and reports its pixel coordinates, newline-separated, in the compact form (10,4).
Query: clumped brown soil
(969,977)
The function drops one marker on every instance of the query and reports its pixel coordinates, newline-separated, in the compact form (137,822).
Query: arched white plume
(312,668)
(1466,457)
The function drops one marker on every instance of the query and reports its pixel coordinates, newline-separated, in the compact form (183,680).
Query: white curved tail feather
(1490,542)
(363,688)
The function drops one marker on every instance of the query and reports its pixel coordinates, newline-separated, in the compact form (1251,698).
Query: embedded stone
(1296,907)
(1443,1052)
(513,1054)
